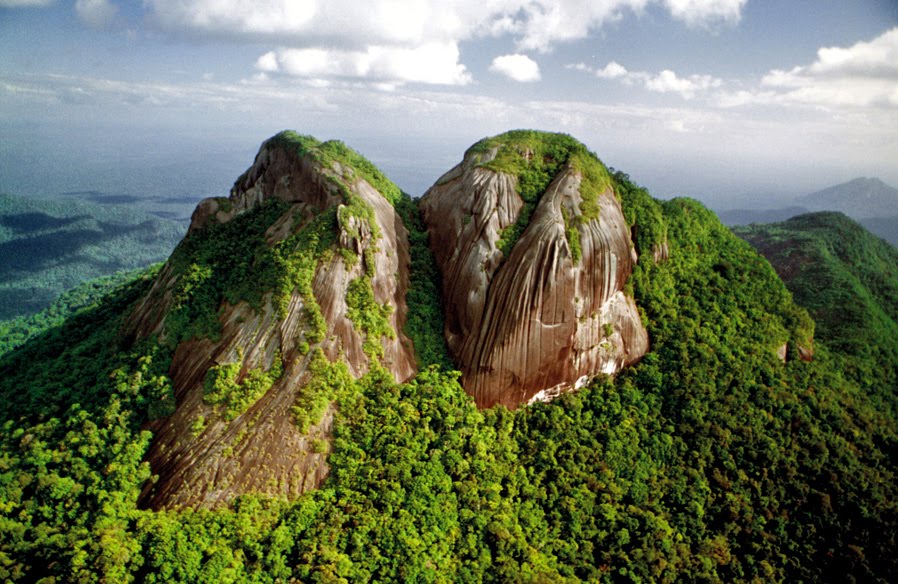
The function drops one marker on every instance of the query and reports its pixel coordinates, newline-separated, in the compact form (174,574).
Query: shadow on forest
(14,302)
(34,254)
(35,221)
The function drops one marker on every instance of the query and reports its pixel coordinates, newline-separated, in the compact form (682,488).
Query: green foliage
(71,447)
(229,261)
(534,158)
(424,322)
(848,280)
(644,216)
(572,234)
(223,386)
(49,246)
(232,262)
(15,332)
(62,366)
(327,381)
(333,151)
(369,317)
(710,460)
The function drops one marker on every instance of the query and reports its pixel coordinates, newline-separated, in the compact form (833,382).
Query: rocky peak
(270,287)
(534,252)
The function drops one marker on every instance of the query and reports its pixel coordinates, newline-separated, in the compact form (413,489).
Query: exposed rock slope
(305,254)
(534,252)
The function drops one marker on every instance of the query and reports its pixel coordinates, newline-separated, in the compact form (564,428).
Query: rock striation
(549,311)
(333,231)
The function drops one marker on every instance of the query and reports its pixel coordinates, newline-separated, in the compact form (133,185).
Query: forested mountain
(869,201)
(48,246)
(847,278)
(310,305)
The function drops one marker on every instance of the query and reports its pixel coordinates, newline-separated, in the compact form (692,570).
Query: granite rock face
(540,321)
(262,450)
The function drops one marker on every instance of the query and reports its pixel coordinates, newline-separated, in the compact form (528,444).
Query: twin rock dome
(305,269)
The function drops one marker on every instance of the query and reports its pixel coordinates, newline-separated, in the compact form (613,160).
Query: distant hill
(861,198)
(869,201)
(48,246)
(844,276)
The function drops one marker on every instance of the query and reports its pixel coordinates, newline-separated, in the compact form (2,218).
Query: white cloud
(728,146)
(667,82)
(517,67)
(706,12)
(267,63)
(434,63)
(348,25)
(612,70)
(95,13)
(540,24)
(664,82)
(877,59)
(21,3)
(862,75)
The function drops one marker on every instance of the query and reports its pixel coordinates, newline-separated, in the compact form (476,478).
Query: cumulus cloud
(664,82)
(349,25)
(667,82)
(517,67)
(434,63)
(875,59)
(706,12)
(96,13)
(612,70)
(268,63)
(862,75)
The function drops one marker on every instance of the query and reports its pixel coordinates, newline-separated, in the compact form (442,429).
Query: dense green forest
(50,245)
(14,332)
(847,278)
(712,460)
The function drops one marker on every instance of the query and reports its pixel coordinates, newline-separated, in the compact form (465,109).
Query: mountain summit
(535,253)
(302,270)
(302,273)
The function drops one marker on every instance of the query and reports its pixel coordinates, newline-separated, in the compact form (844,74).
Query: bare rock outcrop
(203,456)
(547,317)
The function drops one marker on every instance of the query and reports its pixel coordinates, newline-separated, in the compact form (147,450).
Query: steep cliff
(300,274)
(535,253)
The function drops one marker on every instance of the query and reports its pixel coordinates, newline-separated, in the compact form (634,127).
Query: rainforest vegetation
(49,246)
(712,460)
(847,278)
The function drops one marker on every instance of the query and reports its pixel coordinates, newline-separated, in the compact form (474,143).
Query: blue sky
(714,99)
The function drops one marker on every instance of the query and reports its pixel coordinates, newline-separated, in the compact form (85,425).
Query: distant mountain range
(869,201)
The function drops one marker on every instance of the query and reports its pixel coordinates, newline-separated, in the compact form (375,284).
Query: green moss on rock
(335,151)
(222,387)
(535,158)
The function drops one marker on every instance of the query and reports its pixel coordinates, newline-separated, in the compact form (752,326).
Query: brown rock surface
(262,450)
(537,323)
